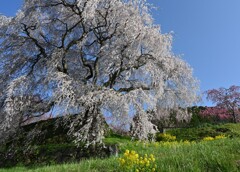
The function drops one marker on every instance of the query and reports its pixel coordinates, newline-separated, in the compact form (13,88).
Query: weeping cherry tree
(89,57)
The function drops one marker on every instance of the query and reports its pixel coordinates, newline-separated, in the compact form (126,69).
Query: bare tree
(91,56)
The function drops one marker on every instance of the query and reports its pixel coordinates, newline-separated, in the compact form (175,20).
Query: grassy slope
(218,155)
(231,130)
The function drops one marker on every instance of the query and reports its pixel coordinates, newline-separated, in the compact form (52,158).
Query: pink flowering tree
(216,114)
(227,102)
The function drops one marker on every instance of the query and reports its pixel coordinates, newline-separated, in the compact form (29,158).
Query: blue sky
(206,34)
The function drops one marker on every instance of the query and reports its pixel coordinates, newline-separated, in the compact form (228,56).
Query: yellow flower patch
(131,161)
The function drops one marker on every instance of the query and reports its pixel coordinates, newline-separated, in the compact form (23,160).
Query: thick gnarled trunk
(89,127)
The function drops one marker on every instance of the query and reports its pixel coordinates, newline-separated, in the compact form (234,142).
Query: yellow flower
(166,137)
(122,161)
(145,160)
(156,144)
(208,138)
(193,142)
(186,142)
(131,161)
(133,152)
(220,137)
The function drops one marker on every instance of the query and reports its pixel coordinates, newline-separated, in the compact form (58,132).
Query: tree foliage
(227,102)
(216,114)
(89,57)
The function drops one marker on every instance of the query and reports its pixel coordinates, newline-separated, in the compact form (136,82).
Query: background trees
(216,114)
(227,102)
(89,57)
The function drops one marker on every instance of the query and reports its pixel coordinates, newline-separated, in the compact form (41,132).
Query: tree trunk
(89,127)
(234,117)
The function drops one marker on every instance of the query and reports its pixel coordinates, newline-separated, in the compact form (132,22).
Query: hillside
(190,153)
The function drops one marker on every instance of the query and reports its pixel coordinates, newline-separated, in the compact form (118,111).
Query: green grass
(221,155)
(231,130)
(218,155)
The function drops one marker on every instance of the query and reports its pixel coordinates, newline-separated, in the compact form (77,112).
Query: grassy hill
(188,153)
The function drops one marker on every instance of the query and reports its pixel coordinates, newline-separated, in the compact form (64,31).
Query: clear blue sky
(206,34)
